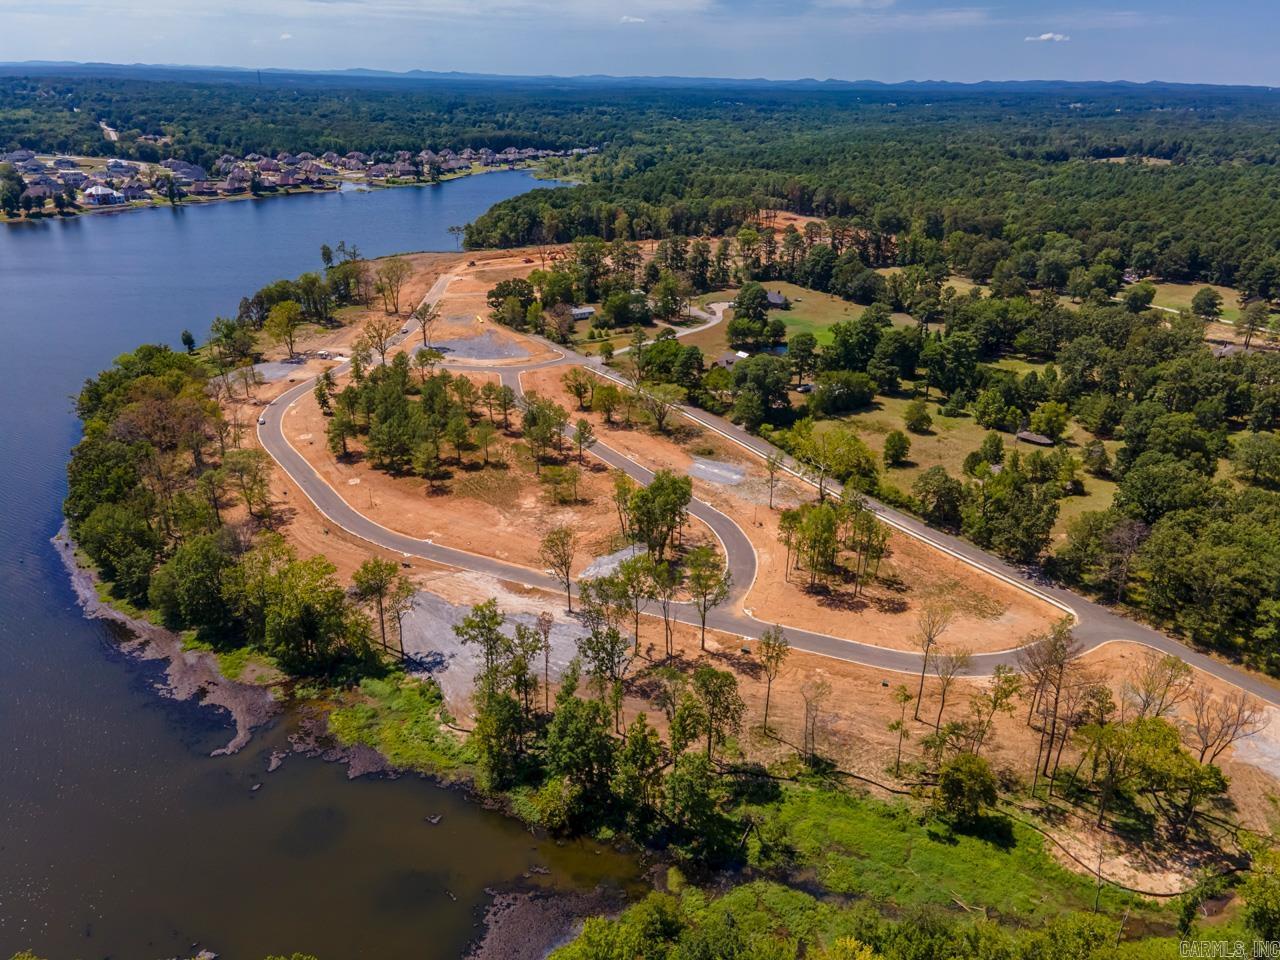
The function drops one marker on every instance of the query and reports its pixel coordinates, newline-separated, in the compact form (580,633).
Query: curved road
(1095,624)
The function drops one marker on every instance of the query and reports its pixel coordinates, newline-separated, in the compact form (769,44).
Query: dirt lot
(991,615)
(496,511)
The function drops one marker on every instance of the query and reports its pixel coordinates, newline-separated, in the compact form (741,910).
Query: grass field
(951,438)
(811,312)
(1178,296)
(862,847)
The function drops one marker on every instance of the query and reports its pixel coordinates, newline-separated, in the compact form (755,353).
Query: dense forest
(1181,180)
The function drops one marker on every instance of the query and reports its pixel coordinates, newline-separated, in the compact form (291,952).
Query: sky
(1227,41)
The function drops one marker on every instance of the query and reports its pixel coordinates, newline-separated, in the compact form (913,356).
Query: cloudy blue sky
(1228,41)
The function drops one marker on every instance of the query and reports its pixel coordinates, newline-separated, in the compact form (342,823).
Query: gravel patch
(277,369)
(603,566)
(432,647)
(717,471)
(1262,749)
(486,346)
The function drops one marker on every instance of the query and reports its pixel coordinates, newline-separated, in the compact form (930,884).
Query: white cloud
(286,36)
(1048,38)
(626,19)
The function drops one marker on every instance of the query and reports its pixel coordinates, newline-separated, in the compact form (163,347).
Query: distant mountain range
(142,71)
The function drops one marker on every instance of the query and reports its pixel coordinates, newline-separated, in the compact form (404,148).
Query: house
(39,192)
(31,166)
(776,301)
(120,168)
(1039,439)
(269,166)
(201,188)
(64,163)
(17,156)
(100,195)
(74,178)
(582,313)
(135,189)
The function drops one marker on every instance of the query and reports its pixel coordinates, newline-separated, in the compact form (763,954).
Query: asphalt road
(1095,624)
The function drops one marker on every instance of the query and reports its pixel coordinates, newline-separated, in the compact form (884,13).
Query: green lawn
(951,438)
(811,312)
(862,847)
(1178,296)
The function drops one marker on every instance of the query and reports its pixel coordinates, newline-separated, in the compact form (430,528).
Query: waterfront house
(39,192)
(100,195)
(135,189)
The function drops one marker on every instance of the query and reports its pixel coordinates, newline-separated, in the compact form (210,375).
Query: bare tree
(814,693)
(425,315)
(380,331)
(774,649)
(1160,683)
(1218,722)
(931,623)
(390,281)
(946,667)
(545,622)
(558,549)
(1048,663)
(773,466)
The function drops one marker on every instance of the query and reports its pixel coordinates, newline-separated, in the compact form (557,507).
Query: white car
(262,421)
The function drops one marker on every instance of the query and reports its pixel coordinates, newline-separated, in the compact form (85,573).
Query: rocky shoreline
(189,674)
(529,924)
(524,922)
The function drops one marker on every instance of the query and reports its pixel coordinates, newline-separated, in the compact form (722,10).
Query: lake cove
(122,836)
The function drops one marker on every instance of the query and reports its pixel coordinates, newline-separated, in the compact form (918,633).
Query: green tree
(709,581)
(916,418)
(1050,419)
(375,580)
(482,628)
(656,512)
(897,447)
(966,788)
(283,322)
(1261,895)
(722,707)
(1207,304)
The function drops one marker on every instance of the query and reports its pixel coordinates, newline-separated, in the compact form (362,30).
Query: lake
(121,836)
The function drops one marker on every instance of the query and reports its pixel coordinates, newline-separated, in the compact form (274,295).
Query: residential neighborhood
(71,182)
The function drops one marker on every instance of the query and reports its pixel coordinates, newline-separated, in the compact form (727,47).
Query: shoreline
(160,203)
(522,921)
(189,674)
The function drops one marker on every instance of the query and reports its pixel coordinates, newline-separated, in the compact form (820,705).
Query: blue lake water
(120,836)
